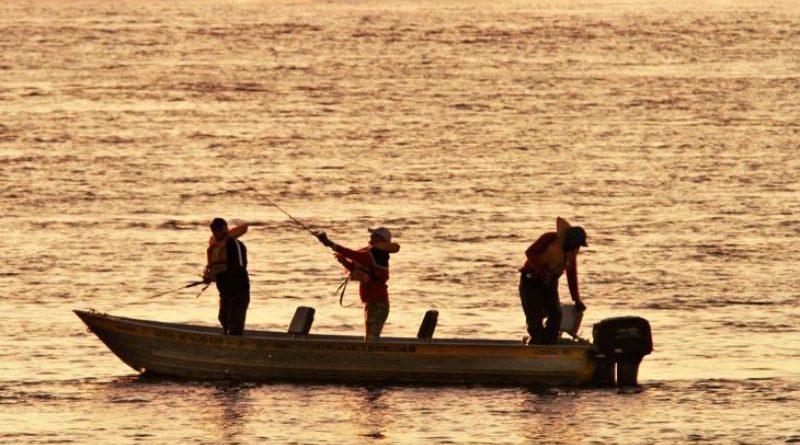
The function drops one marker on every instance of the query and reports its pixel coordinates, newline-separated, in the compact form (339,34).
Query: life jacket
(217,257)
(376,289)
(362,272)
(359,273)
(369,266)
(379,253)
(548,262)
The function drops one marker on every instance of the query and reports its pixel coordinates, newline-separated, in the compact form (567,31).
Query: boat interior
(300,329)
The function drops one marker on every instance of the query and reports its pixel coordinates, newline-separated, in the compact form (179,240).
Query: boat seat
(301,322)
(570,320)
(428,325)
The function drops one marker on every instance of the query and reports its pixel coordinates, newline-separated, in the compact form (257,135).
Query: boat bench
(428,325)
(301,321)
(303,318)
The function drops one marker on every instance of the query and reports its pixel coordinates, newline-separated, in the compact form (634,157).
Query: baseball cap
(381,232)
(574,237)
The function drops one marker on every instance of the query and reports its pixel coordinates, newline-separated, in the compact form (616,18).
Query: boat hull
(198,352)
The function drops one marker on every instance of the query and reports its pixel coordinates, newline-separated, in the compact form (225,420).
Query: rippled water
(669,131)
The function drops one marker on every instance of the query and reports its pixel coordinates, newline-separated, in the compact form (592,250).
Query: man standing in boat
(227,266)
(370,267)
(546,260)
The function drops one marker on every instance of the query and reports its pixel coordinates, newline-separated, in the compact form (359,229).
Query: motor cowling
(622,341)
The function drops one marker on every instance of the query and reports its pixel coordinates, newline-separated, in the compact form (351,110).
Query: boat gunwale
(324,338)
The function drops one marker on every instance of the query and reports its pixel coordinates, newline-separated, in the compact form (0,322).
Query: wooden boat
(199,352)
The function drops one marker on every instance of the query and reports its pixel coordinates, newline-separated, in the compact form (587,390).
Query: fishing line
(342,287)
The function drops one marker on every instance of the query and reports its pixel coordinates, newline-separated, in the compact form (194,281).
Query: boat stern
(621,343)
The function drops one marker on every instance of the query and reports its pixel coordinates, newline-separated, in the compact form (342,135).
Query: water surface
(668,131)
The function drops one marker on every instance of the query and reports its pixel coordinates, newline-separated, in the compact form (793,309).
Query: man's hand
(206,275)
(323,238)
(579,306)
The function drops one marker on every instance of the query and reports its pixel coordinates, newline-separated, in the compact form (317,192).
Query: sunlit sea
(668,130)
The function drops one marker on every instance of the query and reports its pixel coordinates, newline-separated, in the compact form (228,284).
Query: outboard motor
(621,341)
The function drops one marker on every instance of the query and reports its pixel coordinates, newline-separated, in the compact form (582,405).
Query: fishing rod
(273,204)
(161,294)
(342,287)
(192,284)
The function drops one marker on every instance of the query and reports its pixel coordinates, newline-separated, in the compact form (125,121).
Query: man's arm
(572,282)
(344,262)
(358,256)
(208,277)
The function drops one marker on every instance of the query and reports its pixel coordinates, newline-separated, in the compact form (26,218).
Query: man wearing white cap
(370,267)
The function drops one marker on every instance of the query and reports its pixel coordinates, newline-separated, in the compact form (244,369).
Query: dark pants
(540,300)
(232,312)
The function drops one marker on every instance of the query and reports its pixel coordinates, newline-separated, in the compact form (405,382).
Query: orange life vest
(216,254)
